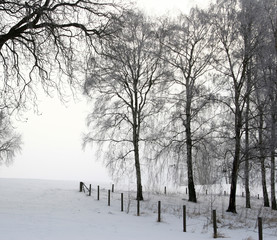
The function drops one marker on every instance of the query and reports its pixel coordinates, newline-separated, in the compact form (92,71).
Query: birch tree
(126,79)
(237,47)
(190,49)
(261,100)
(251,31)
(270,8)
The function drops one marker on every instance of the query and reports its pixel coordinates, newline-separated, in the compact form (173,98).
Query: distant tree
(125,80)
(10,142)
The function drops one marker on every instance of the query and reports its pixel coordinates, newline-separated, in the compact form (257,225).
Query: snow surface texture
(56,210)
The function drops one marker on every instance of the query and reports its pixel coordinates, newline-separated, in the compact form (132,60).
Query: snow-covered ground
(56,210)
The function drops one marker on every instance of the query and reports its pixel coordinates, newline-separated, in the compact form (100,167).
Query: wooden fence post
(260,227)
(186,190)
(206,192)
(89,192)
(184,219)
(81,186)
(98,192)
(109,197)
(138,208)
(214,224)
(165,190)
(121,202)
(159,211)
(112,187)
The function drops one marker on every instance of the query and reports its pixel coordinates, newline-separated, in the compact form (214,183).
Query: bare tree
(39,42)
(126,79)
(249,26)
(190,48)
(10,142)
(270,8)
(263,70)
(237,44)
(226,34)
(261,101)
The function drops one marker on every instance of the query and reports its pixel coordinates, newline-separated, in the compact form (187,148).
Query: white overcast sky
(52,140)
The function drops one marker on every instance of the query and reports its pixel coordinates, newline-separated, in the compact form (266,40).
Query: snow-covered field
(56,210)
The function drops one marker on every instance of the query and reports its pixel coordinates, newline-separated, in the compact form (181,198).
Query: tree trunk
(138,171)
(136,134)
(246,165)
(246,171)
(232,199)
(137,160)
(272,157)
(265,194)
(236,161)
(273,132)
(272,182)
(262,158)
(192,193)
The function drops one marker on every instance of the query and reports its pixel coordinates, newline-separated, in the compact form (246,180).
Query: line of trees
(200,88)
(198,91)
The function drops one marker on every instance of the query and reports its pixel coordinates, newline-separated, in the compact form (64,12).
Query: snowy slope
(55,210)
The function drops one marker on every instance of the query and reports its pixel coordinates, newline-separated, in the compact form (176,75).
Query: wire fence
(210,209)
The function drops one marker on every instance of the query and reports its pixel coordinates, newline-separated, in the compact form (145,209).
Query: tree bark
(246,165)
(262,158)
(136,133)
(272,158)
(236,161)
(192,193)
(137,162)
(138,171)
(232,198)
(265,193)
(246,171)
(273,131)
